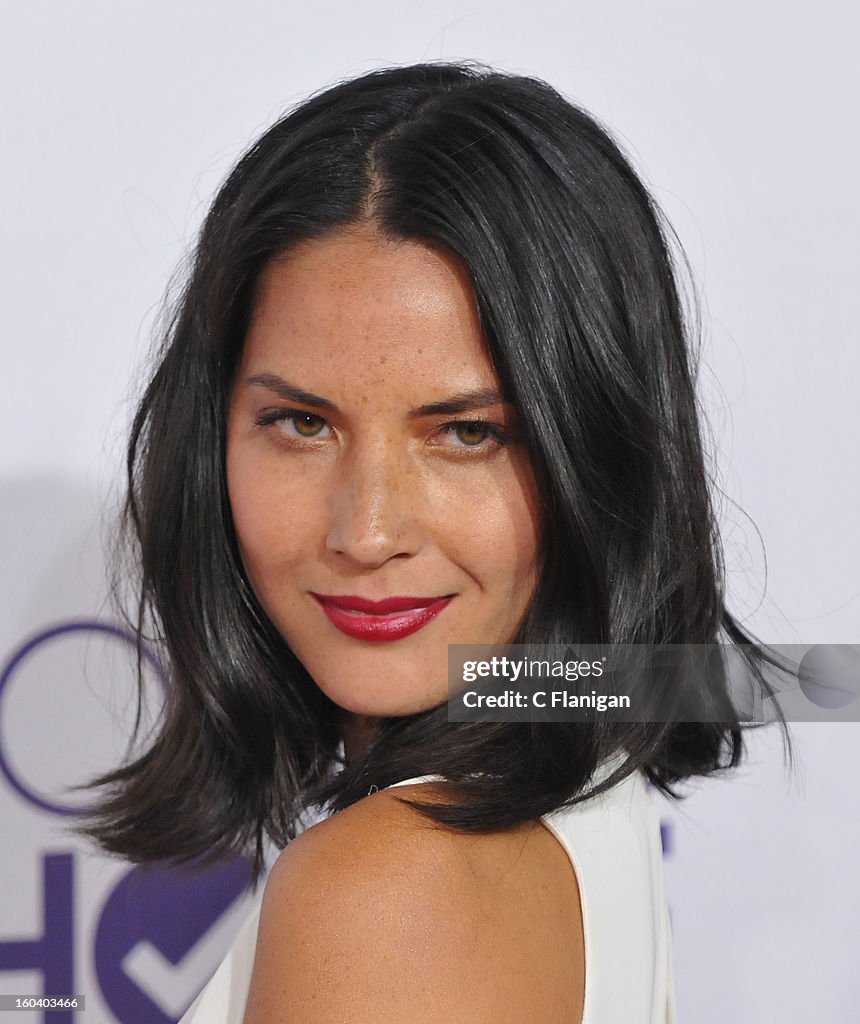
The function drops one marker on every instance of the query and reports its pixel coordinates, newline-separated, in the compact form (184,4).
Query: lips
(378,621)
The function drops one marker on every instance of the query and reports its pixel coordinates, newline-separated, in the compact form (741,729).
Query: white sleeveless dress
(613,842)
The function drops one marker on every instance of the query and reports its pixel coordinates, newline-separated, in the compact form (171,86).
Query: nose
(375,505)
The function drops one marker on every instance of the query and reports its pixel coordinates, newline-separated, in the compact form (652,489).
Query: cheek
(526,518)
(265,517)
(523,547)
(499,536)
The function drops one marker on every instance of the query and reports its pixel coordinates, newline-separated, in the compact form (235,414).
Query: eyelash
(268,417)
(496,435)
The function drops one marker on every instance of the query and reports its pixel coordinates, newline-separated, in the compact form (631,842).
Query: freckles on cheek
(497,543)
(252,509)
(260,529)
(277,524)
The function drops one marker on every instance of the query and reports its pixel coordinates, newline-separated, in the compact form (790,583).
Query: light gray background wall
(118,123)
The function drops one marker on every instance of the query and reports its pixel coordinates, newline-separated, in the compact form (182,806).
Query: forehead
(353,303)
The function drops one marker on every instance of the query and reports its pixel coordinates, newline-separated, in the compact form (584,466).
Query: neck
(357,733)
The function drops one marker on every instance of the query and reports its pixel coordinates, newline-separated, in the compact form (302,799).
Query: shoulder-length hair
(578,300)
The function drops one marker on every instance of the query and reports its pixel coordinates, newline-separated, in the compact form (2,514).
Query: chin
(370,703)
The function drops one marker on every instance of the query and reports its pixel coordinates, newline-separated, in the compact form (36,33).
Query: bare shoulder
(378,911)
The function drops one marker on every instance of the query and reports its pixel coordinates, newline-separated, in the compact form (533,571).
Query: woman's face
(383,505)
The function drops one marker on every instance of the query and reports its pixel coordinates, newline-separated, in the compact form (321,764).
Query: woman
(428,383)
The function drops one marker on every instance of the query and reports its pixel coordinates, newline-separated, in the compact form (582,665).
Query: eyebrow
(463,402)
(286,390)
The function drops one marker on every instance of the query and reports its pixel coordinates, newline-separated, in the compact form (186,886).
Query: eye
(294,423)
(473,433)
(306,424)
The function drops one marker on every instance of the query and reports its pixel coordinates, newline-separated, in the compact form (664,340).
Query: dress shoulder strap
(418,778)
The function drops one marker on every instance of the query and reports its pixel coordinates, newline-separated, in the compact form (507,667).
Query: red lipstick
(389,619)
